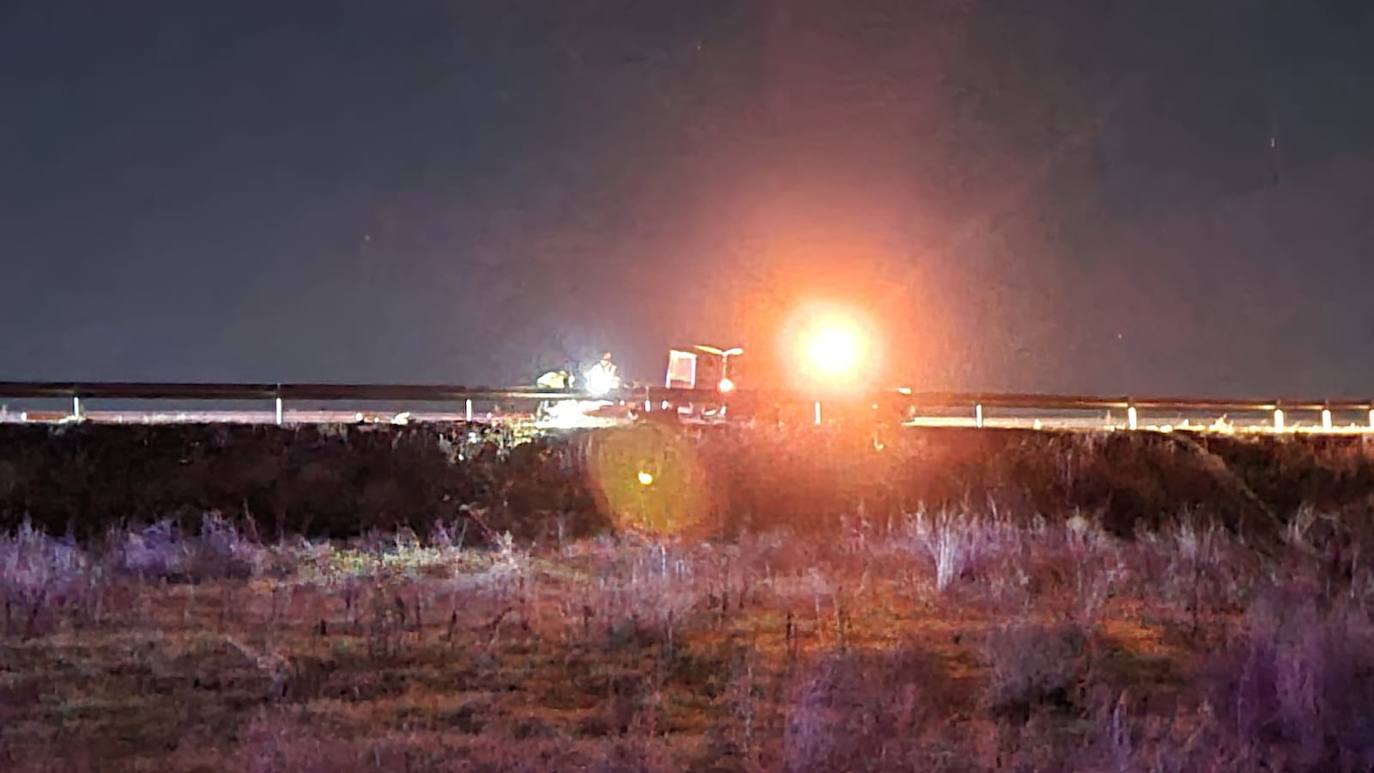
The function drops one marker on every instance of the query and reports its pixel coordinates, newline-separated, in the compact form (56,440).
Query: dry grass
(1050,646)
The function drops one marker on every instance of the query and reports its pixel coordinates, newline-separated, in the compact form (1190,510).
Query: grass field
(966,639)
(421,598)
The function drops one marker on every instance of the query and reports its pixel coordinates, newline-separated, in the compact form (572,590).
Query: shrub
(957,544)
(40,576)
(647,592)
(161,551)
(1125,739)
(222,552)
(1296,684)
(154,551)
(862,711)
(1033,664)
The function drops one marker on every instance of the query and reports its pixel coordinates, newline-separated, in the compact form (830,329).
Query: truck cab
(711,372)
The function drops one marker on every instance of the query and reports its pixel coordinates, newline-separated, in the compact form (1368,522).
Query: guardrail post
(978,415)
(817,408)
(280,409)
(1371,418)
(1278,420)
(1132,417)
(1326,419)
(467,409)
(76,407)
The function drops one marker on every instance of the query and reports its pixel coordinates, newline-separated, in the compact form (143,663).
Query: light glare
(600,382)
(834,350)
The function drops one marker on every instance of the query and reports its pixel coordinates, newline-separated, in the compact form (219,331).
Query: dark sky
(1093,195)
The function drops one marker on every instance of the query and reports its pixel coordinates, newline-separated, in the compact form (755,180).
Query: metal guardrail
(309,392)
(973,401)
(454,393)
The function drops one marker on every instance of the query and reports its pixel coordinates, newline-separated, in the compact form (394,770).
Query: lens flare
(646,478)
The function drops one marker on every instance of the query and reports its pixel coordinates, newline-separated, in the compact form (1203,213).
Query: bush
(958,544)
(1034,665)
(161,551)
(41,575)
(1296,685)
(862,711)
(648,590)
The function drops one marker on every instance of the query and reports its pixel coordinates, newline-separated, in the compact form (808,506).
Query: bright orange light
(834,349)
(830,346)
(726,385)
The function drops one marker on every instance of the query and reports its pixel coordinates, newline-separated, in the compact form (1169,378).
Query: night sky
(1090,196)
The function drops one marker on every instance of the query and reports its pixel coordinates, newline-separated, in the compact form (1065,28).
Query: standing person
(604,376)
(612,370)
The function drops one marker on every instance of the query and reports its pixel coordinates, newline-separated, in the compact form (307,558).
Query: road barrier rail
(80,393)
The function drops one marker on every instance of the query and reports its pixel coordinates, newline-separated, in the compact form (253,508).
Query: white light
(1132,418)
(1278,419)
(573,414)
(726,385)
(818,412)
(978,415)
(1326,419)
(600,382)
(646,478)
